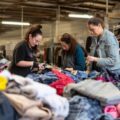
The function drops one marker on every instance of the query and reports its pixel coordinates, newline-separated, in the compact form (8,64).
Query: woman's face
(95,30)
(64,46)
(33,41)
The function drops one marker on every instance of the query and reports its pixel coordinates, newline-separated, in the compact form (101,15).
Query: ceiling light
(80,16)
(15,23)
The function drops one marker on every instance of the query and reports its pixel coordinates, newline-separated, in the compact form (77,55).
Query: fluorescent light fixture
(80,16)
(15,23)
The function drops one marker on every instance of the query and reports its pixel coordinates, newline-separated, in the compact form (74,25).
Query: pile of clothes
(38,99)
(56,94)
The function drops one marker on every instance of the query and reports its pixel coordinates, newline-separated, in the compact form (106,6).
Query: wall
(51,33)
(77,28)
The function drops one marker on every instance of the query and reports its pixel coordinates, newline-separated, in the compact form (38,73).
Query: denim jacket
(108,51)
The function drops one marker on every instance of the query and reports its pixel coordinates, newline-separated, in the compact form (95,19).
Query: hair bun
(36,27)
(39,26)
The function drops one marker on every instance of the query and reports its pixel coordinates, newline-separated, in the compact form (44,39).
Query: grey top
(68,61)
(108,51)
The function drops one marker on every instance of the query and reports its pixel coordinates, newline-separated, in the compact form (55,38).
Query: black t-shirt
(22,52)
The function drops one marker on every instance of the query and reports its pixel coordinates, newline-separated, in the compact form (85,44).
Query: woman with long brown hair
(73,55)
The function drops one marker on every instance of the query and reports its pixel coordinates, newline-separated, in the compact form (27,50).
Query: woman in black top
(24,55)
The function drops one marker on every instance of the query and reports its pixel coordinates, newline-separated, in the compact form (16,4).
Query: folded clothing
(105,92)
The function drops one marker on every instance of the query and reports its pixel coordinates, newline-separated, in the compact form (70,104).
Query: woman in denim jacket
(104,48)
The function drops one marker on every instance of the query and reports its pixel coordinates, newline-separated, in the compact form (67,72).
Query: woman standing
(24,55)
(73,55)
(104,48)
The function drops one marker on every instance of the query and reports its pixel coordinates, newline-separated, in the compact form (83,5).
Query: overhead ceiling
(36,11)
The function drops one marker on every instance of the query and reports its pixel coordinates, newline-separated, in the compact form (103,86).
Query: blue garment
(74,77)
(7,112)
(105,117)
(93,74)
(46,78)
(82,75)
(83,108)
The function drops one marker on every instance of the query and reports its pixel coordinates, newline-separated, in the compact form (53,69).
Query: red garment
(61,82)
(101,78)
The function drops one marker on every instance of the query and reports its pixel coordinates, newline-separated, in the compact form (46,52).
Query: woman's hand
(92,59)
(42,66)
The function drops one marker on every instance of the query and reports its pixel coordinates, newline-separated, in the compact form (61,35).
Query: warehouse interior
(68,69)
(53,15)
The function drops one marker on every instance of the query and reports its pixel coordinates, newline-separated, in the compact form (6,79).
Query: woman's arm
(23,63)
(112,53)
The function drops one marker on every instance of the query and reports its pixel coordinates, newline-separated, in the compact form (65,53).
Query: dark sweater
(79,58)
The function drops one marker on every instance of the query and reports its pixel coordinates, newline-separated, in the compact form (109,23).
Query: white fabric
(59,105)
(30,87)
(42,90)
(6,73)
